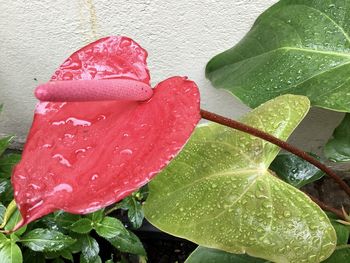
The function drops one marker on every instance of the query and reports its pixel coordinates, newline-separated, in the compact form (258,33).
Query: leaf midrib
(258,172)
(46,240)
(286,48)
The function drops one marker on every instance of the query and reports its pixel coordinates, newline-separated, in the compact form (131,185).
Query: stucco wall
(180,36)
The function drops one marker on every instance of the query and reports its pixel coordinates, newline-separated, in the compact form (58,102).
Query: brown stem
(282,144)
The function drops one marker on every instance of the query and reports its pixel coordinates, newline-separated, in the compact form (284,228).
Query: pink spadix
(94,90)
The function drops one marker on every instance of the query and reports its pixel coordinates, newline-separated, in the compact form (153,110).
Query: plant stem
(282,144)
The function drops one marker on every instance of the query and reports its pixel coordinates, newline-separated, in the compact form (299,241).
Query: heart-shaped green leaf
(337,149)
(219,193)
(295,47)
(210,255)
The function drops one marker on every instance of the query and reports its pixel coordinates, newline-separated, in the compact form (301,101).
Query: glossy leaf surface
(295,47)
(90,250)
(43,240)
(82,156)
(135,211)
(337,149)
(219,193)
(210,255)
(128,242)
(295,170)
(109,227)
(9,251)
(82,226)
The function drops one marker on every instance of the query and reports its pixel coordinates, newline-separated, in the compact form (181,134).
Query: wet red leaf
(82,156)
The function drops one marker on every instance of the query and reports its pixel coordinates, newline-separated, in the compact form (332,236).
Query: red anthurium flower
(82,156)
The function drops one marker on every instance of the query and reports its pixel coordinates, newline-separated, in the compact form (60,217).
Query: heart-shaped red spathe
(82,156)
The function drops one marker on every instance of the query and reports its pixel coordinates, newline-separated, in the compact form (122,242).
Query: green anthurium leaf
(109,227)
(90,250)
(128,242)
(337,148)
(4,143)
(82,226)
(295,47)
(294,170)
(135,211)
(219,193)
(45,240)
(340,255)
(7,162)
(210,255)
(10,253)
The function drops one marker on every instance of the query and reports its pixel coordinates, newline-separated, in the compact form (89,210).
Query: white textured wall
(180,36)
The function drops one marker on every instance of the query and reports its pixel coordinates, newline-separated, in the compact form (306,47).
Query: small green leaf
(7,162)
(294,170)
(4,143)
(109,227)
(6,191)
(10,253)
(337,149)
(97,216)
(44,240)
(78,244)
(82,226)
(218,192)
(11,208)
(13,221)
(90,250)
(3,239)
(56,254)
(2,212)
(60,220)
(295,47)
(128,242)
(210,255)
(135,211)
